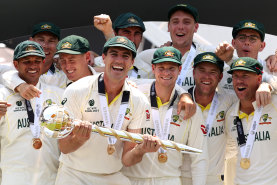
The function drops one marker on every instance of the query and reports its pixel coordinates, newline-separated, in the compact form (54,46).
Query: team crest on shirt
(91,107)
(169,54)
(66,45)
(132,20)
(175,119)
(45,26)
(250,25)
(265,120)
(128,114)
(147,115)
(20,106)
(91,102)
(240,63)
(220,116)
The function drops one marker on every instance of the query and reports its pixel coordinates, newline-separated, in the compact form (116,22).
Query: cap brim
(130,25)
(257,30)
(241,69)
(123,46)
(50,31)
(166,60)
(183,8)
(31,54)
(69,52)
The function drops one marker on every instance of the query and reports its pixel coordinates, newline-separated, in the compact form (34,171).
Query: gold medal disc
(245,163)
(110,149)
(162,157)
(37,143)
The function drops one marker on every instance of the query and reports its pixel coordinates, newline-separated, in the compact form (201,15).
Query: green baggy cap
(46,26)
(167,54)
(209,57)
(73,44)
(127,20)
(120,41)
(246,64)
(249,24)
(28,48)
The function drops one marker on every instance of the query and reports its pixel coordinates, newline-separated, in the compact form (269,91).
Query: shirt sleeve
(10,78)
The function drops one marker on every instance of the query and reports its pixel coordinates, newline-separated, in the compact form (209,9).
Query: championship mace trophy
(57,122)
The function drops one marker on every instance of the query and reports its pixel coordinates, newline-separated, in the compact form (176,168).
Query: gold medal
(162,157)
(111,149)
(37,143)
(245,163)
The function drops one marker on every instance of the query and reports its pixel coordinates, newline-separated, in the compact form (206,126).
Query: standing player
(164,167)
(130,26)
(102,99)
(250,128)
(26,156)
(47,35)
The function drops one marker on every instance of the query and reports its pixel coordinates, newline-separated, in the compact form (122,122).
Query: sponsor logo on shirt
(64,101)
(215,131)
(147,115)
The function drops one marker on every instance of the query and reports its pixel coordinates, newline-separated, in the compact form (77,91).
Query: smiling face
(74,66)
(118,61)
(248,43)
(182,26)
(29,68)
(206,76)
(245,84)
(133,33)
(48,41)
(166,73)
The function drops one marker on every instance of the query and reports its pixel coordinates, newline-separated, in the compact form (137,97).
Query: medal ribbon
(134,72)
(105,109)
(186,65)
(246,150)
(212,113)
(161,133)
(34,118)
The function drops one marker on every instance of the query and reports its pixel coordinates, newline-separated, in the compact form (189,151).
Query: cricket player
(101,99)
(27,157)
(164,167)
(251,129)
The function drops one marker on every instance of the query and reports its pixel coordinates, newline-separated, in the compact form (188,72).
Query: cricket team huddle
(184,92)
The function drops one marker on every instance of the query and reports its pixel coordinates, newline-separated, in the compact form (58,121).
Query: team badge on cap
(30,48)
(132,20)
(169,54)
(208,57)
(250,25)
(45,26)
(66,45)
(240,63)
(122,40)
